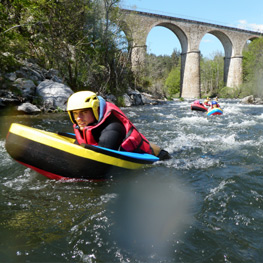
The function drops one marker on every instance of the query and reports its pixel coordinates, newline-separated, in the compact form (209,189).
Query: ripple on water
(5,160)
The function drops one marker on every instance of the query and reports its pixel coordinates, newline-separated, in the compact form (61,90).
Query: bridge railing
(158,12)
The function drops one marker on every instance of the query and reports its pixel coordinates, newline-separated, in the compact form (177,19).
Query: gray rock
(136,97)
(28,108)
(11,76)
(248,99)
(54,95)
(127,100)
(111,98)
(146,99)
(252,100)
(53,75)
(31,71)
(26,86)
(258,101)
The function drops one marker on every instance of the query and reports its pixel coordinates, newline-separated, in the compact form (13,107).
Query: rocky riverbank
(32,90)
(252,100)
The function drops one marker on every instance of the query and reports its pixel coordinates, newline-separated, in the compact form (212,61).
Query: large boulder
(252,100)
(127,100)
(258,101)
(26,86)
(148,99)
(7,98)
(135,97)
(54,95)
(248,100)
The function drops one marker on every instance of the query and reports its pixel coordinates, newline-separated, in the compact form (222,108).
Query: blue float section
(215,111)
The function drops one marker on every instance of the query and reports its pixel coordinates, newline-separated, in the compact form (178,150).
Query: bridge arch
(225,41)
(190,34)
(228,50)
(177,31)
(183,40)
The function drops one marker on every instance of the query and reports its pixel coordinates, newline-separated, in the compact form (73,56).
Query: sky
(234,13)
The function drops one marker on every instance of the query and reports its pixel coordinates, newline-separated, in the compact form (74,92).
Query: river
(203,205)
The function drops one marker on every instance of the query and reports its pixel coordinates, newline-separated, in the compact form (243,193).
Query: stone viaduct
(137,25)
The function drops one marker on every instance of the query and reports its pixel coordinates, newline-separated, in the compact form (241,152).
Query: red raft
(198,106)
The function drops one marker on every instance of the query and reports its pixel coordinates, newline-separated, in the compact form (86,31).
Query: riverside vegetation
(82,40)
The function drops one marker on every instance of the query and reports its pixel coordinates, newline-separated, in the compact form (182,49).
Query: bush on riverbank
(229,93)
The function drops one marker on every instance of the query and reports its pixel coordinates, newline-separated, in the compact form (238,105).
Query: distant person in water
(207,102)
(216,99)
(97,122)
(215,104)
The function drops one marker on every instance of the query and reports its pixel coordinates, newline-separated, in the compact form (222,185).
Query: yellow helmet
(83,100)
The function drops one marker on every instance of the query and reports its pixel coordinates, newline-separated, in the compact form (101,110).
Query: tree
(253,67)
(173,81)
(156,71)
(13,33)
(212,74)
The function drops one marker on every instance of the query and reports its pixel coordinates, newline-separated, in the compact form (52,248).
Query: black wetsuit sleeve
(111,134)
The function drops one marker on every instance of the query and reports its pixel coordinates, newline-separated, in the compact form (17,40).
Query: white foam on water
(193,139)
(193,120)
(259,116)
(243,124)
(24,181)
(131,114)
(229,140)
(194,163)
(232,110)
(250,106)
(18,182)
(5,160)
(240,219)
(218,189)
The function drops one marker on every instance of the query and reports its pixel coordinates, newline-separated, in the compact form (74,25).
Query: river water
(203,205)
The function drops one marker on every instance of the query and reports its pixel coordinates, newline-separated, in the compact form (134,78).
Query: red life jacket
(134,141)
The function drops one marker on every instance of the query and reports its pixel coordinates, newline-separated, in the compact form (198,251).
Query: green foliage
(120,101)
(156,71)
(80,38)
(212,74)
(253,68)
(227,92)
(145,82)
(172,82)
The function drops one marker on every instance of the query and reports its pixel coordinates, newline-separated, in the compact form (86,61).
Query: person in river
(97,122)
(207,102)
(214,104)
(216,99)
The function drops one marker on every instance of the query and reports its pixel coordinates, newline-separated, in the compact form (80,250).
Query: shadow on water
(151,213)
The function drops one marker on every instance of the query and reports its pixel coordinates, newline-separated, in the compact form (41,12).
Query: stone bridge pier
(137,26)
